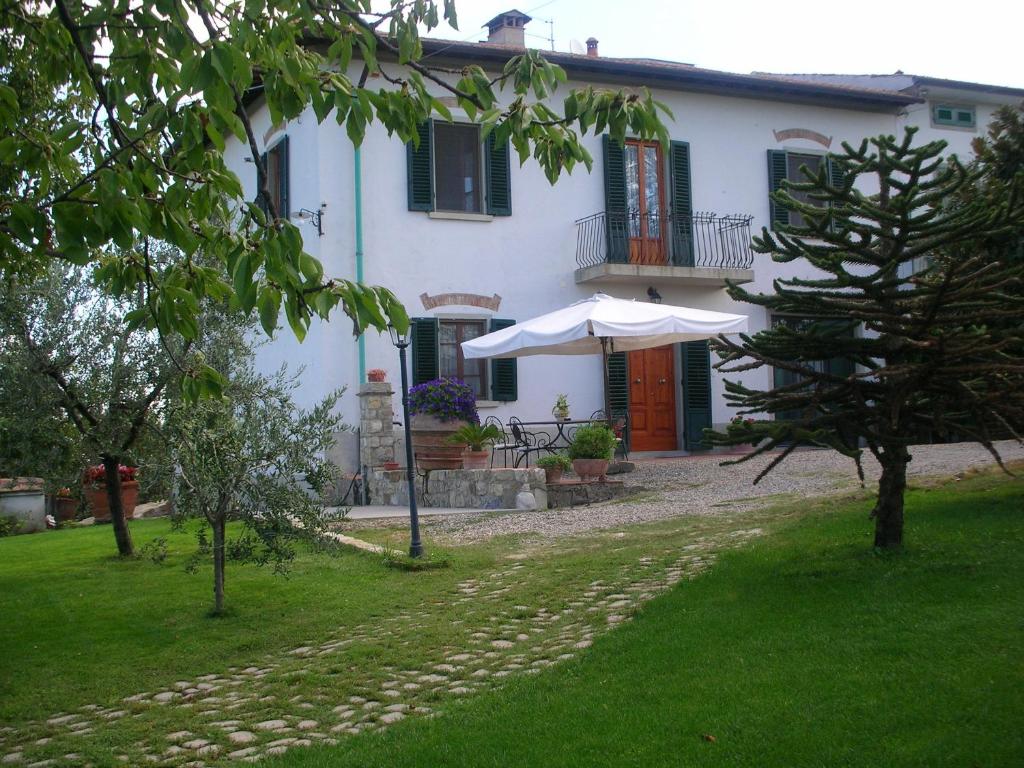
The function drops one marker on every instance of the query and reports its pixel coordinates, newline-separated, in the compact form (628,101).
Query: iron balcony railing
(663,238)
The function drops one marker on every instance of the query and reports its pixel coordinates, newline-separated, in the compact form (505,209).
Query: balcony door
(645,202)
(652,400)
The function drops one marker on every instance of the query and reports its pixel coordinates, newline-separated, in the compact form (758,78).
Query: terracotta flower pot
(590,468)
(476,459)
(376,374)
(553,475)
(99,507)
(67,508)
(430,443)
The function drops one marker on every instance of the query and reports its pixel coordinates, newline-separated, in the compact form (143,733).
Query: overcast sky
(976,40)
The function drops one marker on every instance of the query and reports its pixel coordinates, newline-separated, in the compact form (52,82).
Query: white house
(470,241)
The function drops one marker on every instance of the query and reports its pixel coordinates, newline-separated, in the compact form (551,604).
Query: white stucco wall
(528,258)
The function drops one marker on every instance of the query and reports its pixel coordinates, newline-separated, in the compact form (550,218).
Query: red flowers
(97,474)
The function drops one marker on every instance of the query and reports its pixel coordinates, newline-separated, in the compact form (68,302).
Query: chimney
(508,28)
(592,47)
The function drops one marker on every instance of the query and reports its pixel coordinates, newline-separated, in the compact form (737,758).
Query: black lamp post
(401,340)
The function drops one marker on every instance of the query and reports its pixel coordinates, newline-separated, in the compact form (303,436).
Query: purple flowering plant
(447,399)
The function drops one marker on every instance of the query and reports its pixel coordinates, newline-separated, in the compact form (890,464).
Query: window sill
(489,404)
(459,216)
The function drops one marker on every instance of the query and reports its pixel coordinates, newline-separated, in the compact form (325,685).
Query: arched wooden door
(652,399)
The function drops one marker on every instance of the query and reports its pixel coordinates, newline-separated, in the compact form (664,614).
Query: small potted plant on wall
(561,409)
(477,438)
(553,466)
(591,449)
(377,375)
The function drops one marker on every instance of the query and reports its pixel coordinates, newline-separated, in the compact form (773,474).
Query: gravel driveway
(701,486)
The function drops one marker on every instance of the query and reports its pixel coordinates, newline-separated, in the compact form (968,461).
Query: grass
(805,648)
(91,628)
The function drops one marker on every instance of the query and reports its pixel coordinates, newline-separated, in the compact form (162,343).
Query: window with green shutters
(784,165)
(451,169)
(952,116)
(275,165)
(437,352)
(696,359)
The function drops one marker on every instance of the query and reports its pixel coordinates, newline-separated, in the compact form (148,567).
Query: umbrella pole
(604,366)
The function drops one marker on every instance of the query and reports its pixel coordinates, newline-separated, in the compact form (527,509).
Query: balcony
(703,249)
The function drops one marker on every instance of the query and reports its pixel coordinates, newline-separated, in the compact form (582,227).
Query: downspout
(358,180)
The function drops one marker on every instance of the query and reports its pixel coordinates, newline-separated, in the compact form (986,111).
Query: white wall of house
(528,258)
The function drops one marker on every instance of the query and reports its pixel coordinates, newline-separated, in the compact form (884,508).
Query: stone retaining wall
(464,488)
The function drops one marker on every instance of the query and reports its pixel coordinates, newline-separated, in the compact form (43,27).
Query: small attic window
(957,117)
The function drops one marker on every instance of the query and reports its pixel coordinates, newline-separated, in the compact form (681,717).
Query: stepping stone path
(240,716)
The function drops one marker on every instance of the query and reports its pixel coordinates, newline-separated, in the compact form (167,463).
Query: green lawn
(92,628)
(801,649)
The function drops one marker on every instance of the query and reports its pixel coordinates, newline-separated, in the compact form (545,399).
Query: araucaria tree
(908,326)
(253,457)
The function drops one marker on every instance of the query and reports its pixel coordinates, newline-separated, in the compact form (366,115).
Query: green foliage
(592,441)
(253,456)
(554,461)
(431,561)
(9,525)
(76,381)
(114,118)
(475,436)
(904,298)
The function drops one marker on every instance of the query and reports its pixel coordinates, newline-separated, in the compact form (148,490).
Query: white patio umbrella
(603,324)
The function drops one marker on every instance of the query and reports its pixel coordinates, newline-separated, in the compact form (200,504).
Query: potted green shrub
(553,466)
(439,408)
(591,449)
(476,438)
(561,409)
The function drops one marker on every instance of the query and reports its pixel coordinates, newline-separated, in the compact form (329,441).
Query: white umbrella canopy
(603,324)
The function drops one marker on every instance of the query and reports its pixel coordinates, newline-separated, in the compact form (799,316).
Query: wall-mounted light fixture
(316,217)
(653,295)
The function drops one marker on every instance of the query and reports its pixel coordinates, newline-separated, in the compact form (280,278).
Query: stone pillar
(376,428)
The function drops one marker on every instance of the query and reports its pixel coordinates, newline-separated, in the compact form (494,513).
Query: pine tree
(908,327)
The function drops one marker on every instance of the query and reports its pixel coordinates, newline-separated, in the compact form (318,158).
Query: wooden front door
(645,202)
(652,400)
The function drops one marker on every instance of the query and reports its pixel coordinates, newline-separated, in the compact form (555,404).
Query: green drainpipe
(358,177)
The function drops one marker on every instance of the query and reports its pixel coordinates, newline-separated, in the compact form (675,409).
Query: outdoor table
(545,440)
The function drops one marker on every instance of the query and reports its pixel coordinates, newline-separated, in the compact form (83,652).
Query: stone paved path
(241,715)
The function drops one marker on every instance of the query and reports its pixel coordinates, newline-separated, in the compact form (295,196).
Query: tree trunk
(888,512)
(113,481)
(218,565)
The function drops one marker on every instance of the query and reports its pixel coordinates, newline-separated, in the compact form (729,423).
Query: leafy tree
(252,456)
(120,138)
(69,354)
(907,324)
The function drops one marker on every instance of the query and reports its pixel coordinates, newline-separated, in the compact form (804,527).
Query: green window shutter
(499,177)
(504,373)
(616,226)
(696,392)
(420,169)
(283,180)
(682,204)
(425,353)
(618,383)
(779,214)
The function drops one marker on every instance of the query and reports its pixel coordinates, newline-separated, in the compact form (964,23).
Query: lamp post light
(401,341)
